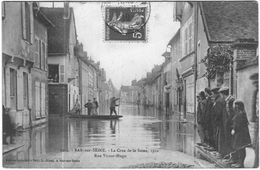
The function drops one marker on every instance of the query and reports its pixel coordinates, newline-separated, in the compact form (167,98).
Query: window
(62,73)
(43,56)
(187,37)
(37,57)
(25,89)
(3,10)
(40,53)
(53,73)
(37,100)
(42,99)
(26,18)
(190,36)
(12,88)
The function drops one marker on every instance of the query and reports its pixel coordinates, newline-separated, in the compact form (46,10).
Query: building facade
(63,64)
(24,63)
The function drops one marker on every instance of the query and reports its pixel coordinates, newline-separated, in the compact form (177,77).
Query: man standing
(201,117)
(96,104)
(218,108)
(88,105)
(228,114)
(208,118)
(77,107)
(113,105)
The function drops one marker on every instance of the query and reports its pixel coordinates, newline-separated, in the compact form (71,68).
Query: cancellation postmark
(126,21)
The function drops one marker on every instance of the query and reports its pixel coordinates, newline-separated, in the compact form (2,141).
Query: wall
(245,90)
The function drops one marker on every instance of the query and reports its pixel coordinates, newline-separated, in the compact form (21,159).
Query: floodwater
(142,128)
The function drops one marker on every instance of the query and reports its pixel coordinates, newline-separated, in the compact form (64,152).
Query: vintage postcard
(130,84)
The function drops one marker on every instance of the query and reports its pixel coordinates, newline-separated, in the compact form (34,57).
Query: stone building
(62,62)
(24,63)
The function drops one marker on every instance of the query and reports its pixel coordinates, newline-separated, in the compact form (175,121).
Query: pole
(119,100)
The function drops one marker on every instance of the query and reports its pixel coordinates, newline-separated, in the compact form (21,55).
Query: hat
(215,90)
(238,101)
(222,89)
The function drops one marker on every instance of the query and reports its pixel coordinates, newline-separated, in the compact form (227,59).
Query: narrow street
(143,135)
(137,84)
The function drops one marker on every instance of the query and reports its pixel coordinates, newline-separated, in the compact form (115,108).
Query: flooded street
(144,130)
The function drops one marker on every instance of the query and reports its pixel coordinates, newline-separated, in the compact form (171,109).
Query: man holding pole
(113,105)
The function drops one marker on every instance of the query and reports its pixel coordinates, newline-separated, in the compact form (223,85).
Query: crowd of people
(223,125)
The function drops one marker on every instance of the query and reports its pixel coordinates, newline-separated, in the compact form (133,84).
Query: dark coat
(88,105)
(208,113)
(201,112)
(220,118)
(240,125)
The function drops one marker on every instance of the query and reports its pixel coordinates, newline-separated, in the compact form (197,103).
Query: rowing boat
(94,116)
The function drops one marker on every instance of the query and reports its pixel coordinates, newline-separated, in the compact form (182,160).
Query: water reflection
(139,128)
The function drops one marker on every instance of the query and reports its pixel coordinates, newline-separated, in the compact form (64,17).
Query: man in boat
(113,105)
(88,105)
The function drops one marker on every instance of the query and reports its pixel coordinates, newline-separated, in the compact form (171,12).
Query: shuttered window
(43,100)
(12,88)
(43,53)
(27,21)
(37,99)
(187,37)
(25,90)
(37,55)
(62,74)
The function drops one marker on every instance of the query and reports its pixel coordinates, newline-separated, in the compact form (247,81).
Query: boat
(94,116)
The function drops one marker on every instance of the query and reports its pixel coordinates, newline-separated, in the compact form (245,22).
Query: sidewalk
(11,147)
(211,156)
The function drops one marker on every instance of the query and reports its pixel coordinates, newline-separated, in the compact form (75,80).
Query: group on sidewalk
(223,125)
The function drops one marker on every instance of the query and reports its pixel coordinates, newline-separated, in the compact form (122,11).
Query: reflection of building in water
(58,134)
(35,143)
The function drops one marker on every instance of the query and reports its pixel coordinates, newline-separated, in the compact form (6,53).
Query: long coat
(201,113)
(220,118)
(240,125)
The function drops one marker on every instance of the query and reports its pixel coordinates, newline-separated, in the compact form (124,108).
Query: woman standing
(240,132)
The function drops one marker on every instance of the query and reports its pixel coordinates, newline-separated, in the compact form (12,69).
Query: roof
(58,36)
(125,88)
(175,37)
(228,21)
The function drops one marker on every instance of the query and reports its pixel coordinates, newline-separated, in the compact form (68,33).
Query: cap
(222,89)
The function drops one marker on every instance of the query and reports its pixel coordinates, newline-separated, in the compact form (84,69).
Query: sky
(124,61)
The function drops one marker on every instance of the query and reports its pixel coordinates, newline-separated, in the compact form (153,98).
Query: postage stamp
(126,21)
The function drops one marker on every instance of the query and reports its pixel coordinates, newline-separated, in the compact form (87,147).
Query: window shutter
(31,24)
(23,20)
(192,33)
(62,74)
(183,41)
(19,90)
(30,90)
(37,100)
(42,99)
(7,87)
(46,59)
